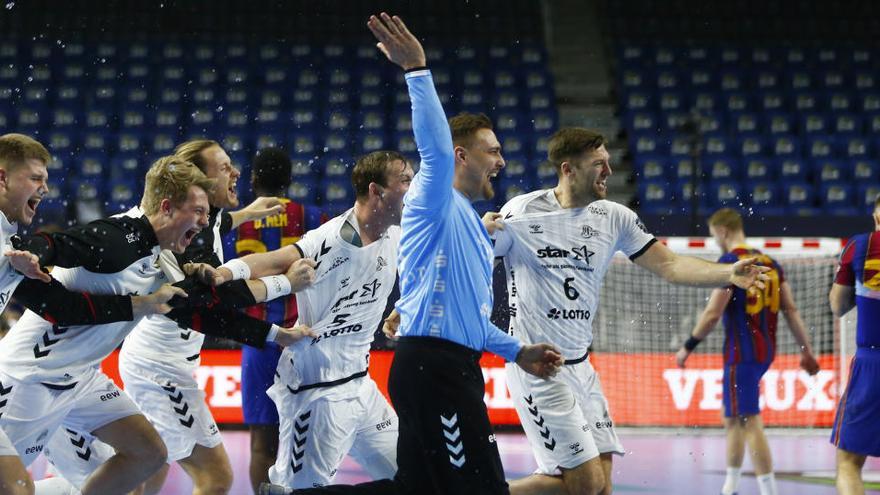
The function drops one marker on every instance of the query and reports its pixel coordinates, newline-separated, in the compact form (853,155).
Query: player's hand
(301,274)
(681,356)
(28,264)
(747,273)
(492,221)
(290,336)
(809,363)
(157,302)
(541,360)
(207,274)
(389,328)
(396,42)
(263,207)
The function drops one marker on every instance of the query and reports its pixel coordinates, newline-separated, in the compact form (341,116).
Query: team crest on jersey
(536,228)
(588,232)
(380,263)
(131,238)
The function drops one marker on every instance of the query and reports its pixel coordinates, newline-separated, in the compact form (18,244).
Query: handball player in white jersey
(556,245)
(327,403)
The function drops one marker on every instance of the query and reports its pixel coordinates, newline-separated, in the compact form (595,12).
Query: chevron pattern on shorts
(180,407)
(78,441)
(300,428)
(538,419)
(453,440)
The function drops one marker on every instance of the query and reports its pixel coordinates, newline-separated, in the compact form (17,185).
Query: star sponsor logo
(344,282)
(579,253)
(582,254)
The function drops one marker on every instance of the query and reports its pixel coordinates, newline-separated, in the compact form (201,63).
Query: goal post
(643,320)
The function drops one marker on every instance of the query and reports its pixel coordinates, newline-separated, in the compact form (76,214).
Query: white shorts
(33,412)
(316,434)
(565,418)
(6,447)
(177,410)
(74,455)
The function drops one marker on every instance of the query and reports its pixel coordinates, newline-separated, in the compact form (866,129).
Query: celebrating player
(857,284)
(557,245)
(750,322)
(270,176)
(52,369)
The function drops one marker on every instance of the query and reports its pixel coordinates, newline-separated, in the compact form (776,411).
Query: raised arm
(708,321)
(432,187)
(689,270)
(798,328)
(261,207)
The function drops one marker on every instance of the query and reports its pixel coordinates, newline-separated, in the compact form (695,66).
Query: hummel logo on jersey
(568,314)
(4,298)
(589,232)
(369,289)
(575,448)
(344,282)
(324,250)
(536,228)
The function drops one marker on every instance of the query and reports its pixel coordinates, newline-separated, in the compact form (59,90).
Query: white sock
(731,482)
(55,486)
(767,484)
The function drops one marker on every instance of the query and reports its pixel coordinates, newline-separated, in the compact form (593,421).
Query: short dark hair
(270,172)
(372,167)
(570,142)
(464,127)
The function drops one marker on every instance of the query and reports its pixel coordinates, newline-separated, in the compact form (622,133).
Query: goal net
(643,320)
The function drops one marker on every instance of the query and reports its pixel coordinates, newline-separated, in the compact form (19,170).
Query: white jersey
(343,307)
(555,260)
(36,350)
(9,277)
(160,340)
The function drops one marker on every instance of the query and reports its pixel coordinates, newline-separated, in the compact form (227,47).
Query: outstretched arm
(433,185)
(689,270)
(798,328)
(262,207)
(708,321)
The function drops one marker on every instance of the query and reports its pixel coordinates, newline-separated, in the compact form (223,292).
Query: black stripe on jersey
(644,248)
(108,245)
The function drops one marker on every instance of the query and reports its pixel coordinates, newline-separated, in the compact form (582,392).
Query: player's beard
(486,190)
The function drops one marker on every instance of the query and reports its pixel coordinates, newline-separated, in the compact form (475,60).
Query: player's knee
(587,479)
(219,480)
(148,450)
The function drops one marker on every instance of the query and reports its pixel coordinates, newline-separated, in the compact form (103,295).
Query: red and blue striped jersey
(860,268)
(751,316)
(269,234)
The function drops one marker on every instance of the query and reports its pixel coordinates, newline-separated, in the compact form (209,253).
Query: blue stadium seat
(732,81)
(746,123)
(814,123)
(763,196)
(516,167)
(303,168)
(641,122)
(131,141)
(682,168)
(767,80)
(866,196)
(514,143)
(649,142)
(162,143)
(793,169)
(807,101)
(336,142)
(830,171)
(772,101)
(752,146)
(655,196)
(864,171)
(128,166)
(269,140)
(98,142)
(369,141)
(236,141)
(799,195)
(838,199)
(840,102)
(62,142)
(820,146)
(716,145)
(856,147)
(336,165)
(336,193)
(122,196)
(405,143)
(669,80)
(723,168)
(760,169)
(786,146)
(724,193)
(650,167)
(848,125)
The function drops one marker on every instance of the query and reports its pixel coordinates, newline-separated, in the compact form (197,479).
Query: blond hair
(16,149)
(727,218)
(191,151)
(170,177)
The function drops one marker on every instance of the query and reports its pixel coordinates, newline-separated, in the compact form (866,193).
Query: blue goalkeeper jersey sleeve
(445,257)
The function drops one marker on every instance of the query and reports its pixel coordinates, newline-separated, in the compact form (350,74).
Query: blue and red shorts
(257,375)
(857,422)
(741,388)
